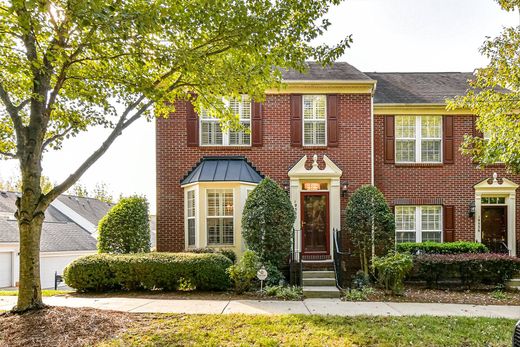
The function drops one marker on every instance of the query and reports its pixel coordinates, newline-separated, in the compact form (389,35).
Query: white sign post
(261,275)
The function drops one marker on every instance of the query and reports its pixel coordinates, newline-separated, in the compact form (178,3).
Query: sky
(389,35)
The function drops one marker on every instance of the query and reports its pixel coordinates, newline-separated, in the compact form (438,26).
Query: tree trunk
(29,294)
(30,220)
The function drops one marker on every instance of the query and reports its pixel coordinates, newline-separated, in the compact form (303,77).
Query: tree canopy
(497,108)
(68,65)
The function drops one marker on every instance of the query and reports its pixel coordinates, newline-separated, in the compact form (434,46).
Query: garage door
(5,269)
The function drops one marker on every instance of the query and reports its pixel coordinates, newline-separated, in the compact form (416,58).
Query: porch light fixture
(286,186)
(471,210)
(344,188)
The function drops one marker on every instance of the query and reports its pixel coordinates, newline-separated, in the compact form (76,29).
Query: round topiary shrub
(267,222)
(369,222)
(125,228)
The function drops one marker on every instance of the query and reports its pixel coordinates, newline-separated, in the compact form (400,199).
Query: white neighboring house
(69,231)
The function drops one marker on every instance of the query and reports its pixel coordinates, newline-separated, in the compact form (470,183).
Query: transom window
(418,223)
(314,120)
(190,216)
(212,134)
(418,139)
(493,200)
(219,217)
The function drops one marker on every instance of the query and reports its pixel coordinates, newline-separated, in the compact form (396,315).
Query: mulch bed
(452,296)
(180,295)
(62,326)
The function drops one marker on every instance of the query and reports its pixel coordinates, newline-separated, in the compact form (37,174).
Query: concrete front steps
(514,283)
(320,284)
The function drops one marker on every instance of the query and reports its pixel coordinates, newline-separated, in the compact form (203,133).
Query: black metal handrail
(295,263)
(338,255)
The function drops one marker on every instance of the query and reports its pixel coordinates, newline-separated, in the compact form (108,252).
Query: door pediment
(330,170)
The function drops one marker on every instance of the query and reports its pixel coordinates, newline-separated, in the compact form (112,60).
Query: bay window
(418,139)
(418,223)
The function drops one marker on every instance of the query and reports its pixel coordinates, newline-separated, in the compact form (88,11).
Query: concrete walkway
(308,306)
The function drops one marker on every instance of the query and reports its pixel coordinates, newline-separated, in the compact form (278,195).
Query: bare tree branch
(8,154)
(56,137)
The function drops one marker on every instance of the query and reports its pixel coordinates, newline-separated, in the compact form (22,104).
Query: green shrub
(391,270)
(441,248)
(369,221)
(468,268)
(274,276)
(243,273)
(228,253)
(285,292)
(267,222)
(125,228)
(359,294)
(167,271)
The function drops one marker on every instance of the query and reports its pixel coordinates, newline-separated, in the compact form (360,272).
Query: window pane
(191,232)
(405,151)
(405,127)
(220,230)
(213,203)
(431,151)
(211,134)
(431,218)
(405,236)
(240,138)
(191,203)
(308,107)
(405,218)
(431,236)
(431,127)
(320,111)
(227,208)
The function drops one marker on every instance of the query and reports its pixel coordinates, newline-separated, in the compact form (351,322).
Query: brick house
(322,137)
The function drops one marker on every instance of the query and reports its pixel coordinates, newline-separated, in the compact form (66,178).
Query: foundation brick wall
(273,159)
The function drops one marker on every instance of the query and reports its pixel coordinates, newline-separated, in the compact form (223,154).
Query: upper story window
(418,223)
(418,139)
(314,120)
(211,133)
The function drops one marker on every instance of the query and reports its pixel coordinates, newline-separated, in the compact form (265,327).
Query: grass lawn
(299,330)
(45,292)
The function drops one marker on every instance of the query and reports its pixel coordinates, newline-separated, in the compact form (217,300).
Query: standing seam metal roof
(223,169)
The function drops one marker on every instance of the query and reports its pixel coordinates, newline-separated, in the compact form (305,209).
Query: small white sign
(261,274)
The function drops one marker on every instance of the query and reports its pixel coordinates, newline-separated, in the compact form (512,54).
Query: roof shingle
(339,71)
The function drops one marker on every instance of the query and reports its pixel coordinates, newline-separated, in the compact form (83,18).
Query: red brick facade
(450,184)
(273,159)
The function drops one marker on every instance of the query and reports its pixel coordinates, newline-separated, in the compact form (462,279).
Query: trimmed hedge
(430,247)
(167,271)
(469,268)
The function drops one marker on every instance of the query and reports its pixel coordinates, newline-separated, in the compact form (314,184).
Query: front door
(315,222)
(494,228)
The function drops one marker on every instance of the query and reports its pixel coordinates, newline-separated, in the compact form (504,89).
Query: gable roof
(59,233)
(222,169)
(419,87)
(339,71)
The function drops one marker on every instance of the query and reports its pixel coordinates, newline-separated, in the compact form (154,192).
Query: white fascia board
(75,217)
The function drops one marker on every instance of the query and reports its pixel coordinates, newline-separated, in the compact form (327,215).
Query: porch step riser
(318,274)
(321,292)
(319,282)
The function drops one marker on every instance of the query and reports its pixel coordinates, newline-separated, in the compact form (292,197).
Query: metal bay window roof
(223,169)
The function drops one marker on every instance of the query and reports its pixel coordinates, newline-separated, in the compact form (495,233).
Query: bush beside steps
(148,271)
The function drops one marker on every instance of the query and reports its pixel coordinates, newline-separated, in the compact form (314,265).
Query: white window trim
(418,141)
(418,222)
(207,216)
(225,133)
(195,217)
(314,120)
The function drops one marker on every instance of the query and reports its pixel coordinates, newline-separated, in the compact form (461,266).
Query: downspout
(372,157)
